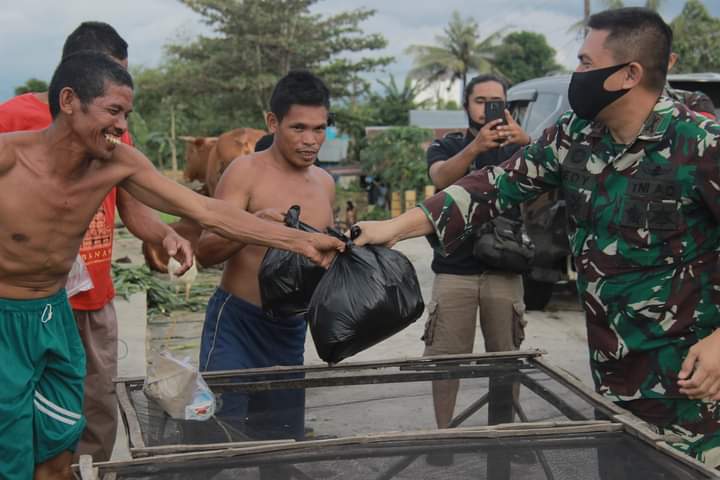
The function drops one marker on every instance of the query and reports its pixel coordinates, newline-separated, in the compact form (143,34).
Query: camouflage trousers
(696,423)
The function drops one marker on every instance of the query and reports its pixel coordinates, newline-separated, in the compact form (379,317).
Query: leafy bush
(397,156)
(161,296)
(375,214)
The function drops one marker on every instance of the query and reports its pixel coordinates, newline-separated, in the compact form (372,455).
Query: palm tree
(459,51)
(394,105)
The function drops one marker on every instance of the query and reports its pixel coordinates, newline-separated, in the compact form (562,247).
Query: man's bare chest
(312,197)
(34,198)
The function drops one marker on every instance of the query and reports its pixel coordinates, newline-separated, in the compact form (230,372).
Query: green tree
(32,85)
(457,53)
(441,104)
(696,34)
(525,55)
(389,107)
(162,115)
(393,105)
(255,42)
(397,155)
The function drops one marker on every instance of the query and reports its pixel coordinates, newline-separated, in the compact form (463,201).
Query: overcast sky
(32,31)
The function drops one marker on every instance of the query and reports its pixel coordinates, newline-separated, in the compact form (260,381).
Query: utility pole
(586,15)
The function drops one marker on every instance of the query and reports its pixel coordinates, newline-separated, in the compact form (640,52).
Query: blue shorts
(237,335)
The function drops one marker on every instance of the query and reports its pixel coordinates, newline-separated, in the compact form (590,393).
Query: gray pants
(98,330)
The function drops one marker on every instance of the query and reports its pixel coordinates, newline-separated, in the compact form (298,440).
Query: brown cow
(197,152)
(229,146)
(206,160)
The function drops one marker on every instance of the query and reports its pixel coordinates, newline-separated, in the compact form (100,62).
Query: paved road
(560,330)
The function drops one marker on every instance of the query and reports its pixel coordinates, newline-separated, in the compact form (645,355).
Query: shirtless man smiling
(237,333)
(52,182)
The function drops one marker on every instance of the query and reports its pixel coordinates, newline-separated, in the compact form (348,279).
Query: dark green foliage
(696,34)
(458,53)
(32,85)
(397,156)
(223,81)
(161,296)
(525,55)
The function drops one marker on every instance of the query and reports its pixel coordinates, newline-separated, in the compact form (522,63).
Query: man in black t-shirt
(463,285)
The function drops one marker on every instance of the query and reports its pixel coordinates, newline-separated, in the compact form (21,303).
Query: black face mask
(587,94)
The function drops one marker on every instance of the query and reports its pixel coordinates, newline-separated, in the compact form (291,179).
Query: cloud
(32,31)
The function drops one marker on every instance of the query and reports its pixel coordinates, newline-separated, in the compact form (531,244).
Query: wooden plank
(480,371)
(87,471)
(135,438)
(176,448)
(632,425)
(543,392)
(510,430)
(469,411)
(538,453)
(686,460)
(578,387)
(398,362)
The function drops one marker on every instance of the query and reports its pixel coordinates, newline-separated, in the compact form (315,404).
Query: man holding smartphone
(464,284)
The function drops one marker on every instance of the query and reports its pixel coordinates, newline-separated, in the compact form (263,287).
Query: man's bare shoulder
(129,158)
(13,143)
(323,177)
(246,168)
(321,174)
(241,177)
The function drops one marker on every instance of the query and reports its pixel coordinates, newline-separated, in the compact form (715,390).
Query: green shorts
(42,369)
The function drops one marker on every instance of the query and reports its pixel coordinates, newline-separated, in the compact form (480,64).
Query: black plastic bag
(287,279)
(367,295)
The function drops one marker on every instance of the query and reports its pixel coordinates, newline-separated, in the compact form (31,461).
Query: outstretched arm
(453,214)
(146,184)
(145,224)
(235,187)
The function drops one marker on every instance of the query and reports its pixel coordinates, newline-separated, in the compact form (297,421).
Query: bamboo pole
(429,191)
(410,199)
(395,204)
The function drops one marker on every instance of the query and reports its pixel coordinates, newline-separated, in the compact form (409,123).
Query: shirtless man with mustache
(52,182)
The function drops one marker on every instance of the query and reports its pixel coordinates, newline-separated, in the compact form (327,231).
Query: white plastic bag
(78,279)
(178,388)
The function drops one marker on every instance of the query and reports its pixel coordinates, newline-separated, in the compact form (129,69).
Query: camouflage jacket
(643,228)
(696,101)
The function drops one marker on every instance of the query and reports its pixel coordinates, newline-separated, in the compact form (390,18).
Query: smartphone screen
(494,109)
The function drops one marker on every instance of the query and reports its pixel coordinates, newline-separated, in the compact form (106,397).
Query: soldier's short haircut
(637,35)
(88,74)
(488,77)
(299,87)
(96,36)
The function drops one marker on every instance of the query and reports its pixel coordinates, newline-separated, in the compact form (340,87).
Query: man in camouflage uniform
(641,177)
(696,101)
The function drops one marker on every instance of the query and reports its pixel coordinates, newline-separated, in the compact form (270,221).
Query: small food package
(78,279)
(178,388)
